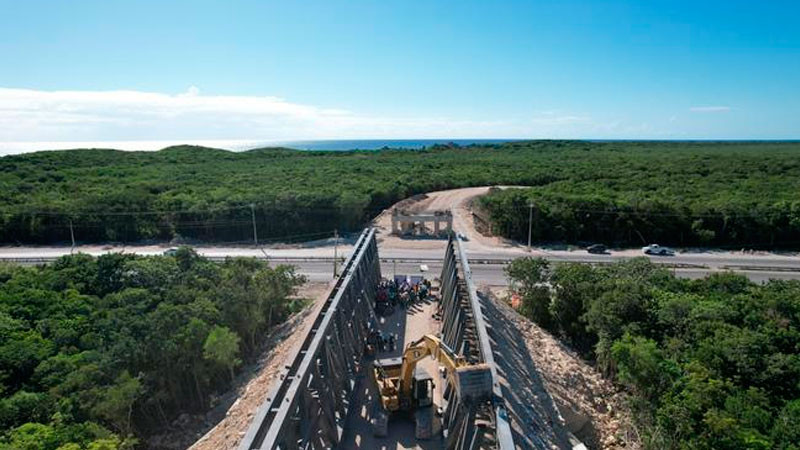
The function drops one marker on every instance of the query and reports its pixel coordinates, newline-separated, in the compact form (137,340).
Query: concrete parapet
(406,223)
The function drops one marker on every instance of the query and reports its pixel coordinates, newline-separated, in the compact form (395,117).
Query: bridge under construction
(326,398)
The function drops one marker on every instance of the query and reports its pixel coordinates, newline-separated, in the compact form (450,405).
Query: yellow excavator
(402,386)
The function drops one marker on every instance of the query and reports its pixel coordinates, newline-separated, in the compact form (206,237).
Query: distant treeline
(616,192)
(644,218)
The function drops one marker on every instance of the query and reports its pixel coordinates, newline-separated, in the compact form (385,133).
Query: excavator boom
(473,381)
(402,387)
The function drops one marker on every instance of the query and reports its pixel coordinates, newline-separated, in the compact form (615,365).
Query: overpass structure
(314,403)
(405,223)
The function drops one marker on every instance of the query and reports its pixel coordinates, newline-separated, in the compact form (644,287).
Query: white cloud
(31,115)
(34,119)
(193,91)
(710,109)
(553,118)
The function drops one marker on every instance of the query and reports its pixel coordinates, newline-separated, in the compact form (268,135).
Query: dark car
(597,248)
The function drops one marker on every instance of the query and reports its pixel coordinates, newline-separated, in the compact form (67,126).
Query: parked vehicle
(655,249)
(171,251)
(597,249)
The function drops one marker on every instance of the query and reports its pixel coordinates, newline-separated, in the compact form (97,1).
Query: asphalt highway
(487,264)
(492,274)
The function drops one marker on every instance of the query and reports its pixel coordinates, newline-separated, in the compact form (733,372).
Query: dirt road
(457,201)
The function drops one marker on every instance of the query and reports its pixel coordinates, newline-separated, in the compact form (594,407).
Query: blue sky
(154,70)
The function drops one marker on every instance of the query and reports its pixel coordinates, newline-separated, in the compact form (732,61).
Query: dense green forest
(96,353)
(616,192)
(711,363)
(678,194)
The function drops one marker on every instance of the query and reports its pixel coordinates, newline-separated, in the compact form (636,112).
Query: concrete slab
(409,325)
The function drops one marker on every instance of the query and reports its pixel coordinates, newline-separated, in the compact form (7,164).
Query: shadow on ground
(536,421)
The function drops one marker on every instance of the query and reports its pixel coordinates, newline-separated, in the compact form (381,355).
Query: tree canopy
(679,193)
(712,363)
(97,353)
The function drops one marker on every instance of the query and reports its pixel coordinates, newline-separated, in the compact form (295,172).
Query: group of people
(391,293)
(378,341)
(405,293)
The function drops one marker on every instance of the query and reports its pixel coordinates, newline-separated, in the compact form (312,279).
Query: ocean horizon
(14,148)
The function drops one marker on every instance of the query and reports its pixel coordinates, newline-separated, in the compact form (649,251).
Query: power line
(267,207)
(281,238)
(255,231)
(719,215)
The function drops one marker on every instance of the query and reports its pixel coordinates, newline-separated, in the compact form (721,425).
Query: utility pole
(335,250)
(255,231)
(530,224)
(72,236)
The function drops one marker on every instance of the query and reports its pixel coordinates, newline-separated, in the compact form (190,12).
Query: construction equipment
(402,386)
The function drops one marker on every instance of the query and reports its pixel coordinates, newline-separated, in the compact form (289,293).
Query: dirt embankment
(592,407)
(282,347)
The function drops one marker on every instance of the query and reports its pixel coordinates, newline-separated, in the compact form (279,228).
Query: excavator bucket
(474,382)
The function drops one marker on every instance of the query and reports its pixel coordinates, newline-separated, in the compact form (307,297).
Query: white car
(655,249)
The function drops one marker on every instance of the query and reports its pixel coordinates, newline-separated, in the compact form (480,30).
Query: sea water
(11,148)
